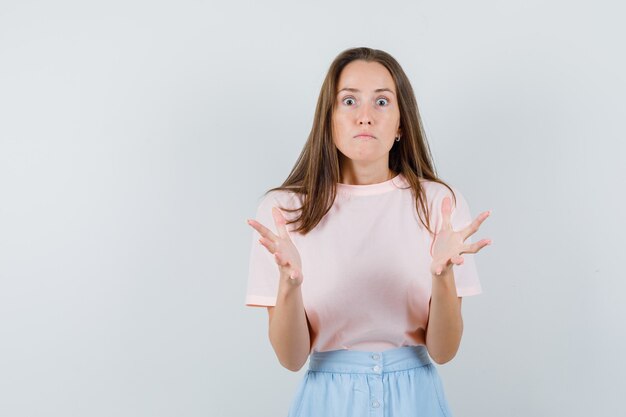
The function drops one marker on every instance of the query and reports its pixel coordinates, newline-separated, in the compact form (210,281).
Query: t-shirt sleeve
(465,275)
(263,272)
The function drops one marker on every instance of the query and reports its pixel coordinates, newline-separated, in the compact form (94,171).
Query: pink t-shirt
(366,265)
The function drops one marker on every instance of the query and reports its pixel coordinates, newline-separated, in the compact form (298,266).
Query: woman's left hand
(448,245)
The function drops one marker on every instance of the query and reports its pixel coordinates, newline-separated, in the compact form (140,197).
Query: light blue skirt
(400,382)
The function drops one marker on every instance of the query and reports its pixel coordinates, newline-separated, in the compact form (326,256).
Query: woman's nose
(364,116)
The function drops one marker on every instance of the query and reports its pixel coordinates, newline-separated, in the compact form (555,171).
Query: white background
(136,137)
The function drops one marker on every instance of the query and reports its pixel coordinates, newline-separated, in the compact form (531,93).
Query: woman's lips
(364,137)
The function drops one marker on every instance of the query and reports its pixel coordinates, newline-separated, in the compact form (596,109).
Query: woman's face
(366,104)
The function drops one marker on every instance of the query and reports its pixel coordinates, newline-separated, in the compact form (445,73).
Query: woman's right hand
(285,252)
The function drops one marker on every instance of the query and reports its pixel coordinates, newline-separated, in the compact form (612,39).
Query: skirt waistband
(354,361)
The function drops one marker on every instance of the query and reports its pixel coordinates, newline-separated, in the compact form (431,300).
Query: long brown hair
(317,169)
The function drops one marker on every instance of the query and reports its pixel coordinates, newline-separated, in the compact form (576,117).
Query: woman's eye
(381,101)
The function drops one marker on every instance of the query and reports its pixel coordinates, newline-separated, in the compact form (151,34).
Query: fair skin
(366,103)
(360,108)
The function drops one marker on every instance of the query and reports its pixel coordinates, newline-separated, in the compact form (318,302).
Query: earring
(398,139)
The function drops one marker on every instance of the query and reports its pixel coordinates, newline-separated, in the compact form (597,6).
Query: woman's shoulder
(436,191)
(433,187)
(283,198)
(275,198)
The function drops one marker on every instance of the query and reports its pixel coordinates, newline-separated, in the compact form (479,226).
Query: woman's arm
(288,327)
(445,323)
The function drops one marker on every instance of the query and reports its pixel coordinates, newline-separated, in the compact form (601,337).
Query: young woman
(357,270)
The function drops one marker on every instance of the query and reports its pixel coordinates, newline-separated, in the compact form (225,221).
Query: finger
(280,222)
(269,245)
(263,231)
(440,269)
(446,212)
(441,265)
(294,275)
(473,226)
(475,247)
(280,260)
(458,260)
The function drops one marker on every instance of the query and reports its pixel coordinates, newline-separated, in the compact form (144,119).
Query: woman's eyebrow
(355,90)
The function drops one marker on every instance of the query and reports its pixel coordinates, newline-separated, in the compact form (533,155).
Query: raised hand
(448,245)
(285,252)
